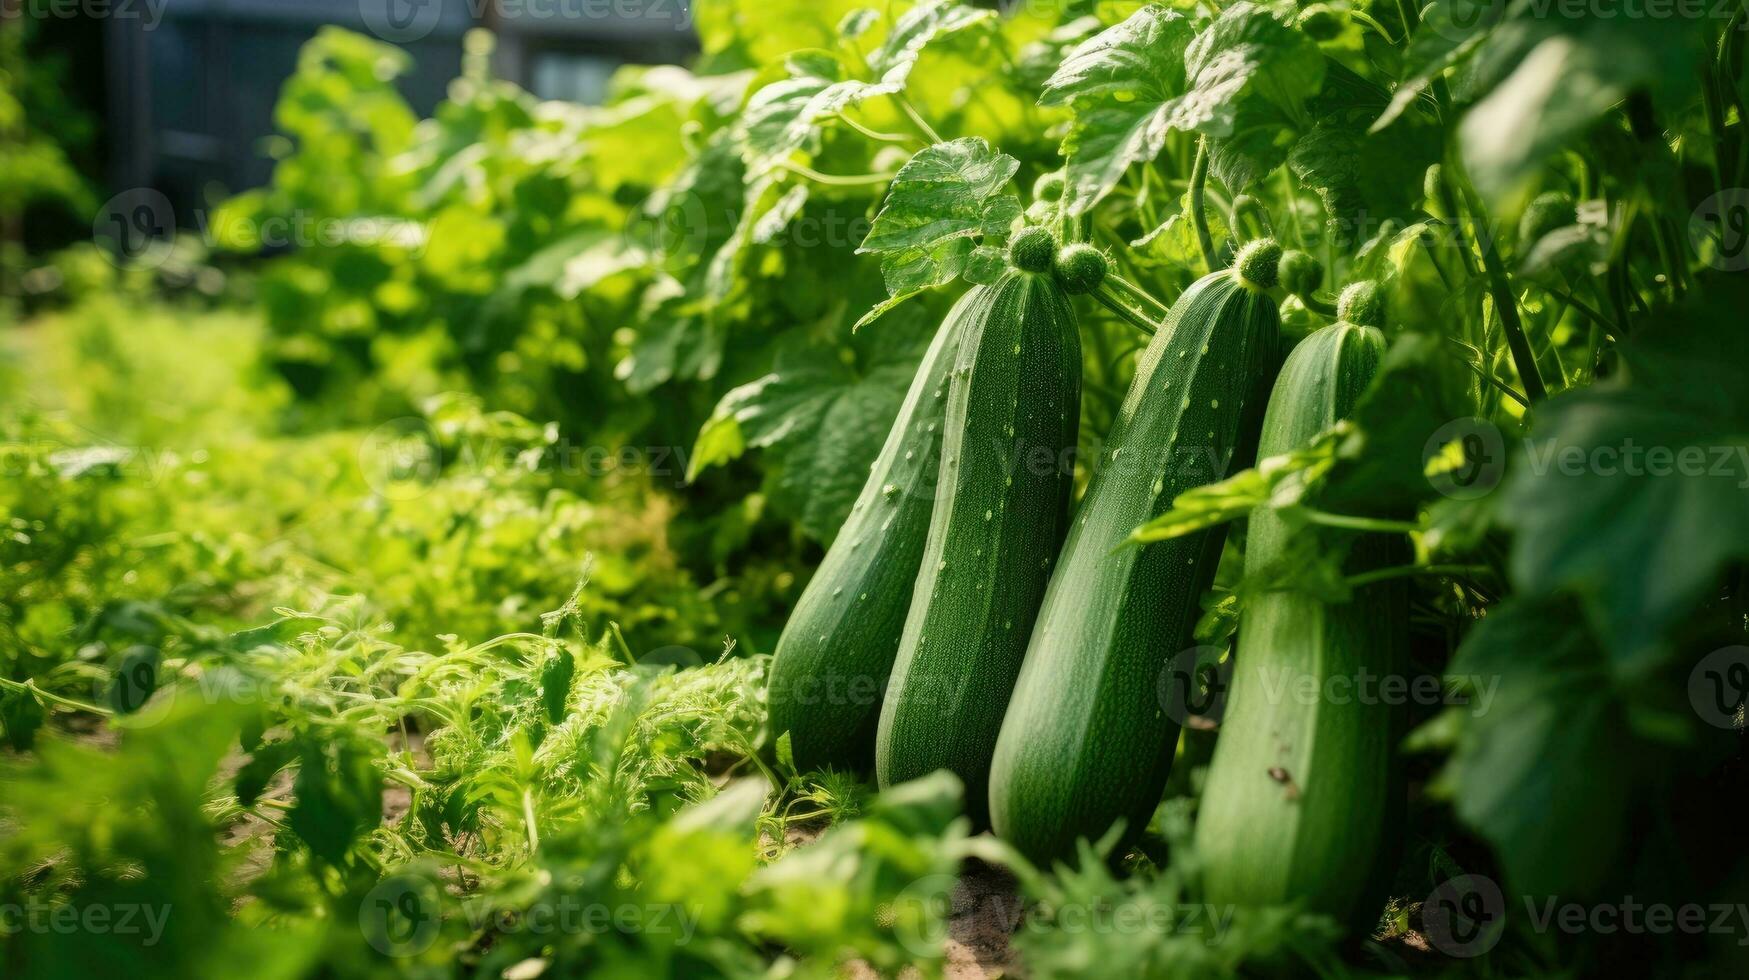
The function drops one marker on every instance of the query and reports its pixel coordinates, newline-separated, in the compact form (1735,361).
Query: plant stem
(917,119)
(620,641)
(1715,118)
(1293,206)
(874,134)
(1353,523)
(1410,571)
(1506,307)
(1481,372)
(1585,309)
(1449,203)
(1199,175)
(1137,292)
(1426,240)
(1317,305)
(837,180)
(30,688)
(1407,10)
(1377,27)
(1133,317)
(1255,208)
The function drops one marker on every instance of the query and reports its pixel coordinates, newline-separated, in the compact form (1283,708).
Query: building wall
(191,95)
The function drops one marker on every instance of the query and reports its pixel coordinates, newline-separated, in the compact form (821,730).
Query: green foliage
(1167,930)
(1680,402)
(943,198)
(38,126)
(272,578)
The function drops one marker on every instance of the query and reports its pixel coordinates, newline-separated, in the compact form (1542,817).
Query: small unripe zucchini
(1301,273)
(837,649)
(1088,740)
(1296,804)
(1549,211)
(1081,268)
(1000,512)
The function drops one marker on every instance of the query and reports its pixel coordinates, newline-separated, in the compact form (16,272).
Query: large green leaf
(1635,495)
(1545,769)
(783,116)
(1558,90)
(1243,81)
(1119,83)
(821,415)
(1363,178)
(943,198)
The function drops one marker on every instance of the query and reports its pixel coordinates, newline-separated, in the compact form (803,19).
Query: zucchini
(1087,741)
(1297,798)
(1006,479)
(837,649)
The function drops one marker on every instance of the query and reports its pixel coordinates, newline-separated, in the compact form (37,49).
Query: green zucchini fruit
(837,649)
(1006,480)
(1087,740)
(1297,797)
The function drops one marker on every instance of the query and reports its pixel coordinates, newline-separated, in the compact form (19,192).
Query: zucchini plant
(1518,499)
(1296,803)
(1000,508)
(837,648)
(1087,742)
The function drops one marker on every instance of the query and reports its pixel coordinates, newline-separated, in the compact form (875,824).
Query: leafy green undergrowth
(154,490)
(323,666)
(416,702)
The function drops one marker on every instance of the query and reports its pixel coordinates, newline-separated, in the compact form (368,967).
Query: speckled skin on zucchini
(1296,804)
(1006,479)
(837,649)
(1088,740)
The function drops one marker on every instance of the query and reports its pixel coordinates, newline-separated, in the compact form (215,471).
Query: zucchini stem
(1410,571)
(30,688)
(837,180)
(1505,305)
(1116,305)
(917,118)
(1199,176)
(1317,305)
(875,134)
(1350,522)
(1378,28)
(1480,372)
(1584,308)
(1138,293)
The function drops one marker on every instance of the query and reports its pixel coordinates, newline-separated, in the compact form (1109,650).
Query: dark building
(191,84)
